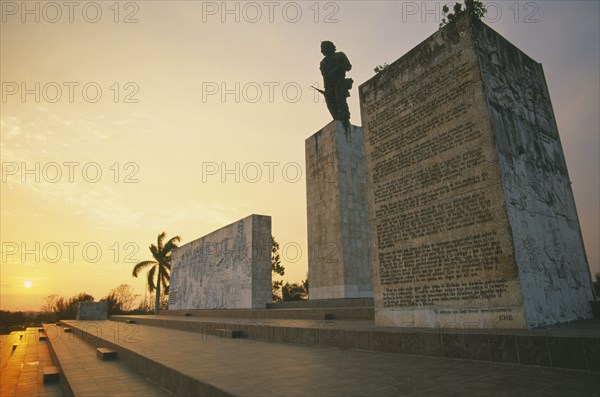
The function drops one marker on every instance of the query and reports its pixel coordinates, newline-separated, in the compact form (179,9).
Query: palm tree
(160,268)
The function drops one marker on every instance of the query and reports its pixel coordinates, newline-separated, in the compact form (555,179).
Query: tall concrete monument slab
(227,269)
(473,221)
(339,264)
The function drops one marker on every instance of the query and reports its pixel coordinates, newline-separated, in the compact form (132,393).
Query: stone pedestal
(473,218)
(339,263)
(227,269)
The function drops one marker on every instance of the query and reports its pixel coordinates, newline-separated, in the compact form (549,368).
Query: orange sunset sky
(113,112)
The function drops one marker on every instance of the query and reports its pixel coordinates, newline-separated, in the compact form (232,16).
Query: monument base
(458,317)
(339,291)
(339,263)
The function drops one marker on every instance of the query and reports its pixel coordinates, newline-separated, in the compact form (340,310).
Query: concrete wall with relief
(449,228)
(227,269)
(553,269)
(339,263)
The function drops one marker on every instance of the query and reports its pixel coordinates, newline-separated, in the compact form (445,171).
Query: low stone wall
(92,310)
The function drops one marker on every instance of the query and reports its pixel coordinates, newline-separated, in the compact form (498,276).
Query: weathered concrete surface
(339,264)
(92,310)
(472,215)
(548,246)
(227,269)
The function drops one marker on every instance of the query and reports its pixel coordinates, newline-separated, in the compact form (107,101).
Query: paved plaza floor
(251,368)
(21,372)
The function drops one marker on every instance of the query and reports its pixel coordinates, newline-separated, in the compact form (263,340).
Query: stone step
(51,374)
(323,303)
(105,354)
(137,357)
(229,333)
(558,347)
(82,374)
(319,313)
(187,363)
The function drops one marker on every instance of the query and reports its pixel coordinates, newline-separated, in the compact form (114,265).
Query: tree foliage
(379,68)
(276,265)
(277,269)
(121,299)
(159,269)
(65,309)
(474,8)
(19,321)
(146,305)
(294,291)
(285,291)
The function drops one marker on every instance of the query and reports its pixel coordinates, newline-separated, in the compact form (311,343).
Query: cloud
(64,162)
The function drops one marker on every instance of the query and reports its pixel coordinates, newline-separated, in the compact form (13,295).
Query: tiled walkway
(252,368)
(21,372)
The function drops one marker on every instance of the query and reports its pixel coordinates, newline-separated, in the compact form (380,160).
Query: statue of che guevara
(337,87)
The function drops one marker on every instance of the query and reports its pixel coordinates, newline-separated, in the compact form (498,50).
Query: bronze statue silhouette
(337,87)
